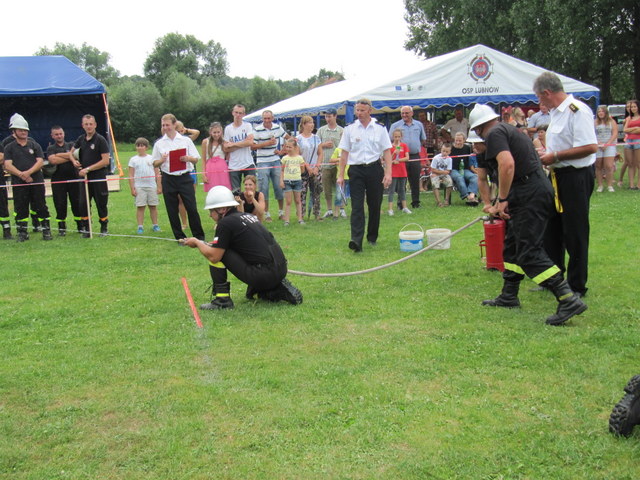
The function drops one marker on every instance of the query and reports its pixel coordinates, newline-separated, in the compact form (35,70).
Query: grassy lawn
(395,374)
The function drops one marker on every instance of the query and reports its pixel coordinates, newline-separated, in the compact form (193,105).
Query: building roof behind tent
(477,74)
(45,75)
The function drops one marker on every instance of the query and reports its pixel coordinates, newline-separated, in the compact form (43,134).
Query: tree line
(184,76)
(595,41)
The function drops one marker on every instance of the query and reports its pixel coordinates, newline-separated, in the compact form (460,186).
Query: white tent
(477,74)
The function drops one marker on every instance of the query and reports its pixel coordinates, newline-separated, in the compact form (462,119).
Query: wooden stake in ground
(193,305)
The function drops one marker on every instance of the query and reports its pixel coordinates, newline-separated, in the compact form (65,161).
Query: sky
(269,38)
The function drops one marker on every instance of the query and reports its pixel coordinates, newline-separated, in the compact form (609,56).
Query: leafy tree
(90,59)
(179,94)
(185,54)
(323,77)
(265,92)
(136,107)
(214,104)
(587,40)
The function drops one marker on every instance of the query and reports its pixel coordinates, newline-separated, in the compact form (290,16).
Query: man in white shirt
(238,139)
(363,143)
(177,182)
(570,154)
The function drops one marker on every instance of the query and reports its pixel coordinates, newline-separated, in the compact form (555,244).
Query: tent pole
(113,138)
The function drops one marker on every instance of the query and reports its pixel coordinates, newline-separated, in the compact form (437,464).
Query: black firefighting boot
(62,228)
(46,230)
(250,293)
(508,298)
(569,304)
(83,227)
(104,228)
(284,291)
(23,232)
(221,297)
(626,413)
(35,222)
(6,230)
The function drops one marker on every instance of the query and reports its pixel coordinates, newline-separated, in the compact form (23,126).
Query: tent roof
(45,75)
(477,74)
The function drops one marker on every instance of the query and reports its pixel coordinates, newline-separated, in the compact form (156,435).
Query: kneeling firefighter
(247,249)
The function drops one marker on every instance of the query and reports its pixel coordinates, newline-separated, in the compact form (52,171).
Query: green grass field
(395,374)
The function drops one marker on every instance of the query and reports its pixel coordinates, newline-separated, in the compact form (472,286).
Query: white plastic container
(436,234)
(411,240)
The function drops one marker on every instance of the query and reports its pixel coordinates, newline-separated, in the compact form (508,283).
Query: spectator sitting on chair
(440,170)
(466,181)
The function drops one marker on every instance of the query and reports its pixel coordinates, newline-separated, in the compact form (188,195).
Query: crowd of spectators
(248,159)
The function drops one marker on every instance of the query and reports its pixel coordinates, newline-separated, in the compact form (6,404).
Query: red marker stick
(193,305)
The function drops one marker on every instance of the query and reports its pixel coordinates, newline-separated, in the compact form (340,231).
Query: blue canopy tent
(47,91)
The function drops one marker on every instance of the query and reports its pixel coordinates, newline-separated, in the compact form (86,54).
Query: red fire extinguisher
(493,243)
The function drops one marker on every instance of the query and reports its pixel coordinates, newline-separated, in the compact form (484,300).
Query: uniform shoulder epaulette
(573,107)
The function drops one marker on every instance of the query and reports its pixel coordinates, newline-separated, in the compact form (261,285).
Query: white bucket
(411,240)
(436,234)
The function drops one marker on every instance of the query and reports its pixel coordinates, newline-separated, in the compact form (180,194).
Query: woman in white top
(607,135)
(311,177)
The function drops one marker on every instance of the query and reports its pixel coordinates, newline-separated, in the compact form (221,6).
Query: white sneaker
(280,214)
(610,189)
(390,212)
(328,214)
(406,210)
(343,214)
(599,190)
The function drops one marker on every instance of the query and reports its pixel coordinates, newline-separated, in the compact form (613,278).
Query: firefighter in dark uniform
(59,154)
(4,201)
(525,198)
(247,249)
(23,159)
(34,218)
(92,164)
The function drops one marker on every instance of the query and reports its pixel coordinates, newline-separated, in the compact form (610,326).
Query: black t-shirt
(504,137)
(23,158)
(91,152)
(457,156)
(250,207)
(243,233)
(7,140)
(66,170)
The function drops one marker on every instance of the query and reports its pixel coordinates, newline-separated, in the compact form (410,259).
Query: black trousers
(413,174)
(4,200)
(568,232)
(365,181)
(530,205)
(99,193)
(25,195)
(63,191)
(172,186)
(261,277)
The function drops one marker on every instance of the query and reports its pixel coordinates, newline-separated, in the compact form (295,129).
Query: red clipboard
(175,164)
